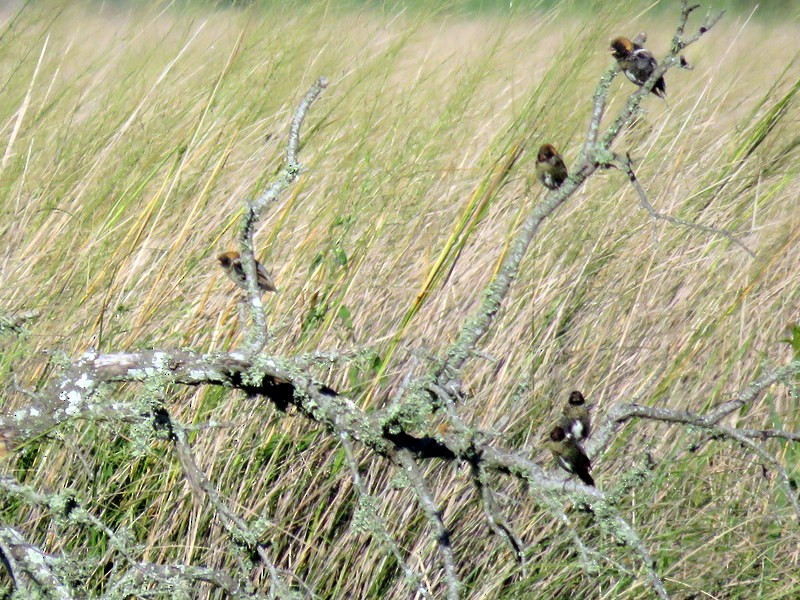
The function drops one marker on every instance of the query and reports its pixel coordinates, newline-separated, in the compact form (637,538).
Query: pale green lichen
(400,480)
(197,374)
(412,414)
(259,368)
(34,557)
(365,517)
(161,360)
(138,374)
(74,403)
(84,381)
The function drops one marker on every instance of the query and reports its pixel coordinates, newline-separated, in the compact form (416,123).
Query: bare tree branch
(239,531)
(434,515)
(374,522)
(130,583)
(497,523)
(286,387)
(253,211)
(594,154)
(621,413)
(627,166)
(30,568)
(29,565)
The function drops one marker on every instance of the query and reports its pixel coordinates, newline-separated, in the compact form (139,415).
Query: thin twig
(626,165)
(494,517)
(434,515)
(412,578)
(751,392)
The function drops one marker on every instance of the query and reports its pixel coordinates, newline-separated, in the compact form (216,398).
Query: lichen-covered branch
(237,528)
(31,569)
(253,212)
(594,154)
(41,574)
(405,460)
(169,577)
(619,414)
(497,522)
(479,323)
(710,422)
(15,324)
(73,396)
(369,520)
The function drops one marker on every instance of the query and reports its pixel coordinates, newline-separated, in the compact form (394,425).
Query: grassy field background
(129,138)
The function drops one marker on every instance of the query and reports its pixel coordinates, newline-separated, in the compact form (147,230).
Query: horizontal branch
(72,396)
(30,568)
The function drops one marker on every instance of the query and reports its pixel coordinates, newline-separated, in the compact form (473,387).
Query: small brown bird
(575,420)
(637,63)
(550,167)
(231,263)
(569,455)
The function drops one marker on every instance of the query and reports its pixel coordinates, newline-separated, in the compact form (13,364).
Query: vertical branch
(598,108)
(257,336)
(494,518)
(411,577)
(234,525)
(434,515)
(480,322)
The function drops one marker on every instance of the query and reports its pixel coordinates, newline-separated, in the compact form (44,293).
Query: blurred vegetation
(772,9)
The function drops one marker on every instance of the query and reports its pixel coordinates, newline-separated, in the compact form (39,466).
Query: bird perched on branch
(569,455)
(550,168)
(575,420)
(637,63)
(231,263)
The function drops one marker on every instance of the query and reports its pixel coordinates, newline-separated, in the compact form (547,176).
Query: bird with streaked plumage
(231,263)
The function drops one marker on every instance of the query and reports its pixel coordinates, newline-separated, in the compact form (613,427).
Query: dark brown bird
(575,420)
(569,455)
(550,167)
(637,63)
(231,263)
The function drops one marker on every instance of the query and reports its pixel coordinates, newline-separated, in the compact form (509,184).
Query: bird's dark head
(227,258)
(546,153)
(621,47)
(577,399)
(557,434)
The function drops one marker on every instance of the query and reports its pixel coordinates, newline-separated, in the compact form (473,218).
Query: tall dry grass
(130,138)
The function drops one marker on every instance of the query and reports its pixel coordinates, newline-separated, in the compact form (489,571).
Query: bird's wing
(645,63)
(564,464)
